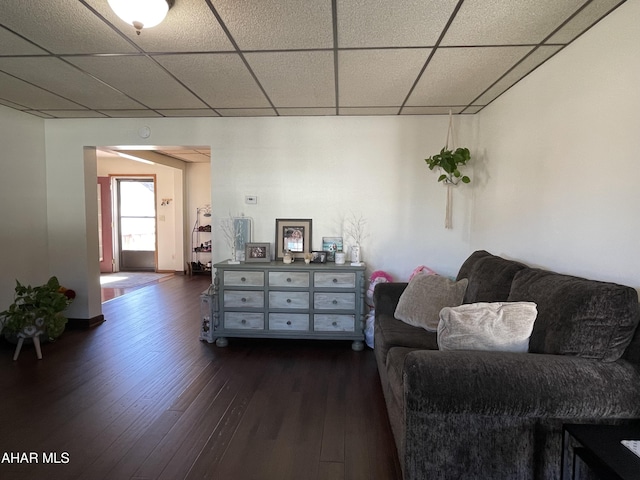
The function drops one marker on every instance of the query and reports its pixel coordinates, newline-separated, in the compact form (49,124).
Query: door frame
(116,213)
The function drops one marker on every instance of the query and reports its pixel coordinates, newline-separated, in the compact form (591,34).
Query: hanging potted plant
(37,311)
(450,161)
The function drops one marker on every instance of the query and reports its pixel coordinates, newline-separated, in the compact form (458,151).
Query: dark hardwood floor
(140,397)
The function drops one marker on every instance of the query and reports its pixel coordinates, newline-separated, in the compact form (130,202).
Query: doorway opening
(136,224)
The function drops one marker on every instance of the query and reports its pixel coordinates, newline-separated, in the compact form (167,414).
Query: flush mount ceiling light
(141,13)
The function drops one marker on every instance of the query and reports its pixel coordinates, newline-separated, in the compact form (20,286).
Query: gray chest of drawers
(321,301)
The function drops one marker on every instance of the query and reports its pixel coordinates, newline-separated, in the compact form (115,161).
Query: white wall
(560,169)
(23,206)
(328,168)
(170,219)
(198,190)
(318,168)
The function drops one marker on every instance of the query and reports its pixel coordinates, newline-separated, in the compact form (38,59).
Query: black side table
(599,447)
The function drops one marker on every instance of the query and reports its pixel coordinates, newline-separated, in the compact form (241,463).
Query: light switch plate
(251,199)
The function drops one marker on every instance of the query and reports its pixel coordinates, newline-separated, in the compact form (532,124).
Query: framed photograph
(257,252)
(331,245)
(318,257)
(294,235)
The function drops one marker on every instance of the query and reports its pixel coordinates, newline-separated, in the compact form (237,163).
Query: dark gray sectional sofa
(499,415)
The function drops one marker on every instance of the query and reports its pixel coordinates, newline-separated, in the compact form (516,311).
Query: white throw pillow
(425,296)
(499,326)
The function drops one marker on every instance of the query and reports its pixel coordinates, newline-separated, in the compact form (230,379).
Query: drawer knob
(289,280)
(243,321)
(243,279)
(335,302)
(335,280)
(288,300)
(335,324)
(288,322)
(244,300)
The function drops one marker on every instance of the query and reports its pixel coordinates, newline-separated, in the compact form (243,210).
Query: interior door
(105,222)
(137,224)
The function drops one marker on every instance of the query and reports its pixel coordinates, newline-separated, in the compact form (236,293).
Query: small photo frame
(318,257)
(257,252)
(331,245)
(293,234)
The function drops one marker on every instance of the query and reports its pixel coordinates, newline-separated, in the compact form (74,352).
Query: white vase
(356,255)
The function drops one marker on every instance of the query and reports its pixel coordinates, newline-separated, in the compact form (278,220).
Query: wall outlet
(251,199)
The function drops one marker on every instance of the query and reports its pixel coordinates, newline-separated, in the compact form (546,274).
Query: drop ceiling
(229,58)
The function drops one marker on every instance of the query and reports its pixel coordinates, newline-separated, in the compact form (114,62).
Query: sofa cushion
(390,332)
(577,316)
(467,265)
(425,296)
(490,279)
(497,326)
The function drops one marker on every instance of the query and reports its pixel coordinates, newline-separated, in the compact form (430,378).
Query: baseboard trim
(85,322)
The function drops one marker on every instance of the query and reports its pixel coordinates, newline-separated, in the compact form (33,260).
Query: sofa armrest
(387,295)
(519,385)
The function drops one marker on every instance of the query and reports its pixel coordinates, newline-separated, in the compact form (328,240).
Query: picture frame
(293,234)
(257,252)
(331,245)
(319,257)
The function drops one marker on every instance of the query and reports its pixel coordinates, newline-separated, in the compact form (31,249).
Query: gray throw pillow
(425,296)
(496,326)
(577,316)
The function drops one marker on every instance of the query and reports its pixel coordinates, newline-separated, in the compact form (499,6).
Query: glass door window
(137,223)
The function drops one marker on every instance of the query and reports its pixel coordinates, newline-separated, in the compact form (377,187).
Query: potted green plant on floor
(37,311)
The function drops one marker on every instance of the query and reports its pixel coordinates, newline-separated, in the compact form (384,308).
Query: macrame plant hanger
(448,224)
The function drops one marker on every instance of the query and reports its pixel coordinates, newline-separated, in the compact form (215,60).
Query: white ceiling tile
(278,24)
(140,78)
(527,65)
(62,26)
(378,77)
(74,113)
(190,26)
(130,113)
(456,76)
(380,48)
(188,155)
(306,112)
(508,22)
(310,81)
(431,110)
(39,114)
(375,23)
(199,112)
(363,111)
(58,77)
(583,20)
(246,112)
(10,104)
(472,109)
(221,80)
(30,96)
(14,45)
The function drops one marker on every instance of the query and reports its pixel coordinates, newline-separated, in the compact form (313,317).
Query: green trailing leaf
(450,161)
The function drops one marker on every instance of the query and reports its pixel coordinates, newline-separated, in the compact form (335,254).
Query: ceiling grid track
(224,58)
